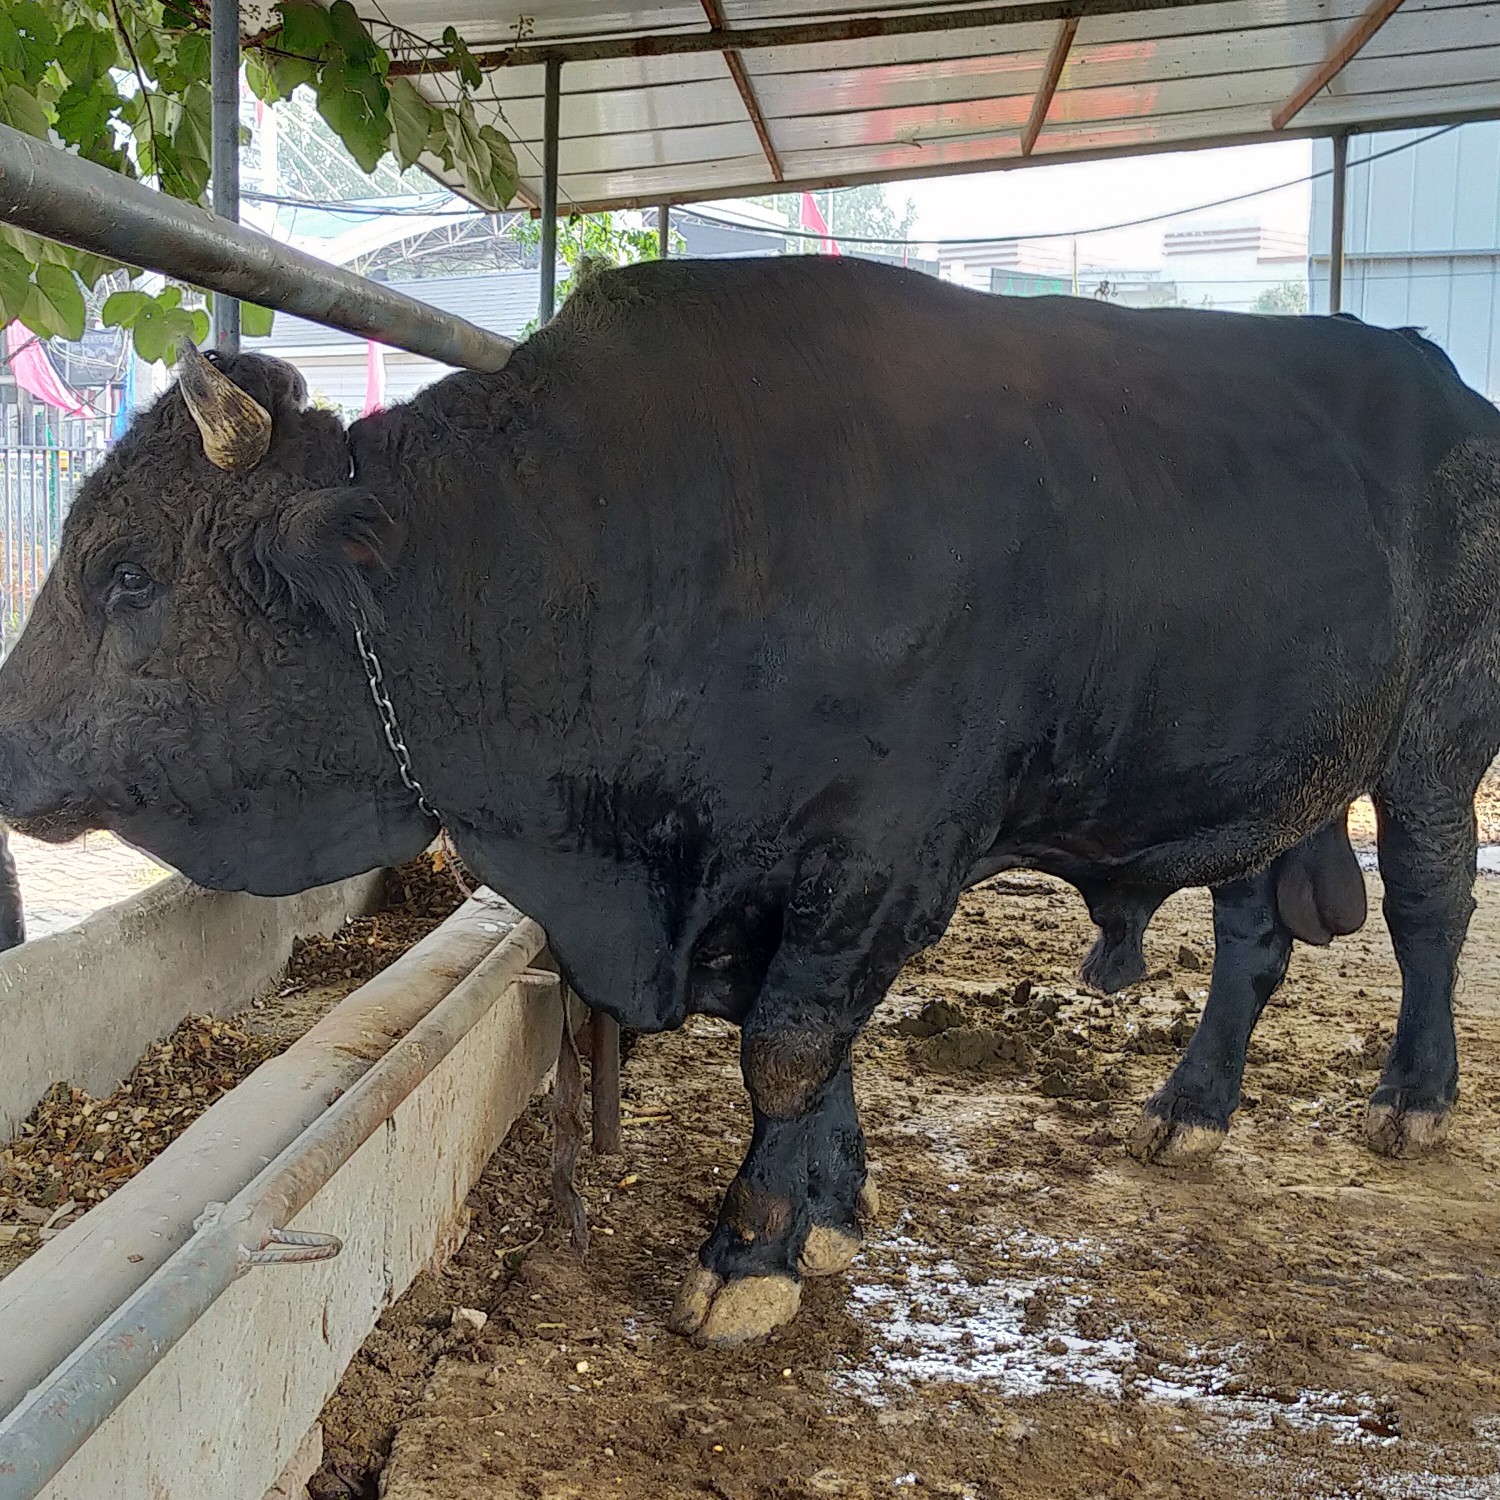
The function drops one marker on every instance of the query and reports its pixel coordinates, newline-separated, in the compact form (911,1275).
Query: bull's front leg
(795,1207)
(12,920)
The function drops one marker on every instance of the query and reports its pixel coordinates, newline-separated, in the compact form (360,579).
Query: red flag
(374,377)
(813,219)
(33,371)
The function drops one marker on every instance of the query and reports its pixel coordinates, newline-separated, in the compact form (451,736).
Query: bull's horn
(236,428)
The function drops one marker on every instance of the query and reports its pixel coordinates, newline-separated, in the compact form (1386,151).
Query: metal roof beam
(65,198)
(737,71)
(1058,57)
(1377,13)
(794,34)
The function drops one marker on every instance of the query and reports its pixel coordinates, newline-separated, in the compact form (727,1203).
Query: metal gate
(37,485)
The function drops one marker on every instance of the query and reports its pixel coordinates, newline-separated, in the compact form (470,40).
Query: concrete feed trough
(171,1342)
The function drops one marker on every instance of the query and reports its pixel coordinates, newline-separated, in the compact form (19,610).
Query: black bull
(757,609)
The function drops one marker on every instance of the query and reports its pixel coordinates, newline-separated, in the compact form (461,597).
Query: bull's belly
(1160,842)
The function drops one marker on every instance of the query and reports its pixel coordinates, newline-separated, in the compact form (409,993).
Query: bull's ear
(324,550)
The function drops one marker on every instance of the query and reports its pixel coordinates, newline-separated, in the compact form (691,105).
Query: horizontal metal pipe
(57,1418)
(64,198)
(792,34)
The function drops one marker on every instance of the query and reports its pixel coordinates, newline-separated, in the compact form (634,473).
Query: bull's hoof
(1164,1142)
(827,1250)
(694,1299)
(727,1314)
(1403,1122)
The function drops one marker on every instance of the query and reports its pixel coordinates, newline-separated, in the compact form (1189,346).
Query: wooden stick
(604,1082)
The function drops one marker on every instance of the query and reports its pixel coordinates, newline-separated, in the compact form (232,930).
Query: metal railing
(37,485)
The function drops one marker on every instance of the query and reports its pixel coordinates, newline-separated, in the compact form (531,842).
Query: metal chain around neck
(375,677)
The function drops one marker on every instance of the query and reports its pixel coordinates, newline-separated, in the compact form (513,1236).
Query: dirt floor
(1035,1314)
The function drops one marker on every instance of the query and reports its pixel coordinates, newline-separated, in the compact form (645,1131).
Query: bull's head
(188,676)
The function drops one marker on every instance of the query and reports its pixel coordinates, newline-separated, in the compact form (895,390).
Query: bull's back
(1120,551)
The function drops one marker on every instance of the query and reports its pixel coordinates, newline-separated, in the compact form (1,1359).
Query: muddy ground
(1035,1315)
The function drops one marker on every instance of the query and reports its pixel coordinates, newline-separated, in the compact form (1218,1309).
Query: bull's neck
(482,665)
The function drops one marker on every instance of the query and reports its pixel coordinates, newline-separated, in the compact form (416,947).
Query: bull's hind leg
(1314,893)
(1187,1118)
(1427,848)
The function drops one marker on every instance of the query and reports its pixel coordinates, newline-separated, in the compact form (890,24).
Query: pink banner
(812,218)
(374,377)
(34,373)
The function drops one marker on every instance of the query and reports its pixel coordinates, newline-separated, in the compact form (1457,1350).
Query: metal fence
(37,485)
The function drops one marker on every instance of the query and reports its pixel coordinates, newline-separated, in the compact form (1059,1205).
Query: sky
(1069,198)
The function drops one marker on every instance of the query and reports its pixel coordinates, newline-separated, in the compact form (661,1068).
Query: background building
(1421,240)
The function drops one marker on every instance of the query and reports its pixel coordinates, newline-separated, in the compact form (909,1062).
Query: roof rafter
(1377,13)
(1056,60)
(737,71)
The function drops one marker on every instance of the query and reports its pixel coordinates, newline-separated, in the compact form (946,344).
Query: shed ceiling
(693,99)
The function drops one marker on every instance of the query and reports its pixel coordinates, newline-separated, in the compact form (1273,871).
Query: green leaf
(437,139)
(157,323)
(150,332)
(58,300)
(194,132)
(19,109)
(121,309)
(356,106)
(255,322)
(258,77)
(261,79)
(472,154)
(28,40)
(290,73)
(15,283)
(504,176)
(83,113)
(462,59)
(306,28)
(412,121)
(90,268)
(86,54)
(350,36)
(185,63)
(147,43)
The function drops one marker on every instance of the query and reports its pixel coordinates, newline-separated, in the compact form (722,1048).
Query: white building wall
(1230,280)
(1421,240)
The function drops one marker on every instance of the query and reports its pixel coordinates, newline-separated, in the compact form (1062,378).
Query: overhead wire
(908,242)
(364,209)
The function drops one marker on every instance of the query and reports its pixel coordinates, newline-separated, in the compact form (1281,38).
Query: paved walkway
(61,884)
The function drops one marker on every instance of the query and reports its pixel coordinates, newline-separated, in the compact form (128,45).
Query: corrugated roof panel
(641,129)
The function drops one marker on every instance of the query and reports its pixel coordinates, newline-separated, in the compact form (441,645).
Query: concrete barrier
(206,1381)
(83,1004)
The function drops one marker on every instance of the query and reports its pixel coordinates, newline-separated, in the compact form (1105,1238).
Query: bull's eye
(131,587)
